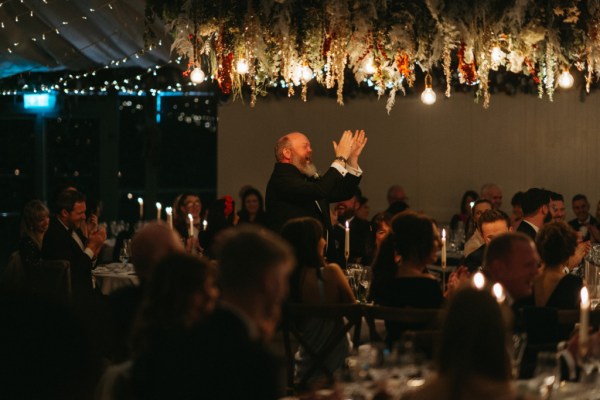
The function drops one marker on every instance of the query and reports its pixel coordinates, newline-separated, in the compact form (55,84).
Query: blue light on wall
(39,101)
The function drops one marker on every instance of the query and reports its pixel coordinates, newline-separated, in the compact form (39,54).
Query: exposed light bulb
(497,55)
(566,80)
(197,75)
(307,73)
(428,96)
(302,74)
(369,68)
(242,66)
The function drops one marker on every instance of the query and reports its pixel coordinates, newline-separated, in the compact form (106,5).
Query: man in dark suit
(64,241)
(227,356)
(296,190)
(536,211)
(584,222)
(491,223)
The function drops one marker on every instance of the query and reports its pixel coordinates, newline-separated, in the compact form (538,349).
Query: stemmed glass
(125,253)
(546,373)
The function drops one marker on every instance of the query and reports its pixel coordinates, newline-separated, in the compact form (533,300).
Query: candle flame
(158,205)
(169,210)
(347,225)
(479,280)
(585,297)
(140,200)
(498,292)
(443,234)
(190,217)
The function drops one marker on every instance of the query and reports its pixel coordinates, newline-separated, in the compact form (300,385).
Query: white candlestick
(158,210)
(347,242)
(141,203)
(204,224)
(191,225)
(443,248)
(584,322)
(169,211)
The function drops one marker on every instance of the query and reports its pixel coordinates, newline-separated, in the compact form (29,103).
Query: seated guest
(491,224)
(34,224)
(536,211)
(363,210)
(227,357)
(583,220)
(512,260)
(517,210)
(557,207)
(64,242)
(400,277)
(493,193)
(188,203)
(253,208)
(380,227)
(473,361)
(359,231)
(180,292)
(149,246)
(475,239)
(470,196)
(221,215)
(555,287)
(313,281)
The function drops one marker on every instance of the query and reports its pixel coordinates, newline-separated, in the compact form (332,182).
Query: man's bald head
(150,245)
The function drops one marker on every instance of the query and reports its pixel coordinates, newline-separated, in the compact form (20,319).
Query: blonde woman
(34,224)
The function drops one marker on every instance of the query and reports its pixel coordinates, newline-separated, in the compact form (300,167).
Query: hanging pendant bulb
(369,67)
(242,66)
(428,96)
(566,80)
(197,75)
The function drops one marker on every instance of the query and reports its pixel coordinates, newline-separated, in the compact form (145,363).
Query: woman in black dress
(34,224)
(400,276)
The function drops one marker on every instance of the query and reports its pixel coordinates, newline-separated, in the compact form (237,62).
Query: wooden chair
(294,317)
(423,324)
(55,279)
(13,276)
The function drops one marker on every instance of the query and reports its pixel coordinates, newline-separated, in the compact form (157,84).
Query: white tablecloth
(110,277)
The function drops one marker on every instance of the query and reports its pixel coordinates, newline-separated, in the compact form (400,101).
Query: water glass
(546,375)
(125,251)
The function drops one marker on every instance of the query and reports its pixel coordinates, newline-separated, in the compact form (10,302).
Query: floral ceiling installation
(264,43)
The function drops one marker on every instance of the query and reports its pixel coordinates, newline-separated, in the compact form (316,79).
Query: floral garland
(291,42)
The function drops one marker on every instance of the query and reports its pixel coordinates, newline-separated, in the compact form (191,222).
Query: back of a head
(246,254)
(150,245)
(556,242)
(533,199)
(413,236)
(66,200)
(303,234)
(32,213)
(501,246)
(474,338)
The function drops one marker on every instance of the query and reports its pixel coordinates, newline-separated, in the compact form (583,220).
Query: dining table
(113,276)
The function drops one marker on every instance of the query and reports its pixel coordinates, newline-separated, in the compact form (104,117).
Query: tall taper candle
(584,322)
(141,203)
(347,242)
(443,248)
(169,211)
(191,225)
(158,210)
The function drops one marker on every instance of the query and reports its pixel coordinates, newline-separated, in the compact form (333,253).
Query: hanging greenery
(263,43)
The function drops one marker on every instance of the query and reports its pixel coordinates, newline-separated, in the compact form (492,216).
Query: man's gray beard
(307,168)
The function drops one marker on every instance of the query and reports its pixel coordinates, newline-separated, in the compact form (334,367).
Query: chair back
(55,279)
(13,277)
(294,317)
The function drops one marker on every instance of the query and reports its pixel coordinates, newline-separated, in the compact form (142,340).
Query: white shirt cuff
(89,252)
(340,168)
(354,171)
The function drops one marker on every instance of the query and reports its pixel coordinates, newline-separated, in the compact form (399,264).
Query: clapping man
(295,189)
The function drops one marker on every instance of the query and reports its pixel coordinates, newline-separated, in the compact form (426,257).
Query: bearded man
(295,189)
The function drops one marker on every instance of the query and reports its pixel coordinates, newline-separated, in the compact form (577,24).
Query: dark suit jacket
(574,223)
(291,194)
(527,229)
(223,362)
(59,245)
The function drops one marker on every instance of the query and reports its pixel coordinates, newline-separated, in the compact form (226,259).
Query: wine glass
(546,374)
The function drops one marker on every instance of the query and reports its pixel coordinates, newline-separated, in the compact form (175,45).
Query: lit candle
(169,211)
(498,291)
(347,242)
(479,280)
(204,224)
(191,226)
(141,203)
(158,210)
(443,248)
(584,322)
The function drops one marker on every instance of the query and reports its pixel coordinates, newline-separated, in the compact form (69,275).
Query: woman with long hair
(380,227)
(400,275)
(313,281)
(252,208)
(35,219)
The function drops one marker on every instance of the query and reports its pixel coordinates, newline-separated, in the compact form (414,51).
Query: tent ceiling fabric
(92,34)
